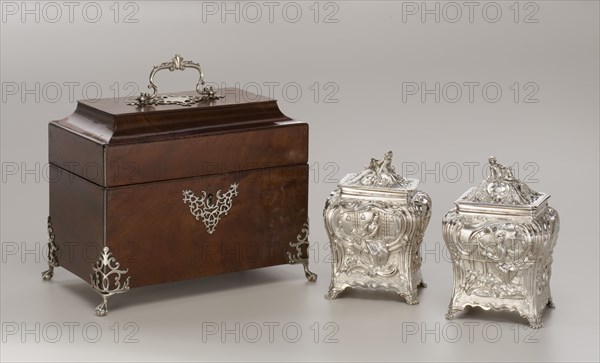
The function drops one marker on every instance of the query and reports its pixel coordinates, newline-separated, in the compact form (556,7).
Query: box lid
(502,193)
(115,142)
(379,181)
(117,121)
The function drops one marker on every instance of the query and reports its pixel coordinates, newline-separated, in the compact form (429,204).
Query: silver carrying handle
(176,63)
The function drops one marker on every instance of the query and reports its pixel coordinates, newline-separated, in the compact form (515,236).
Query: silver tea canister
(375,221)
(500,236)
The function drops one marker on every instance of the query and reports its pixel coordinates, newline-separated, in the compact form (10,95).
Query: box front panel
(186,228)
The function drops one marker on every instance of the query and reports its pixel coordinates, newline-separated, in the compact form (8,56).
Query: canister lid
(502,193)
(379,180)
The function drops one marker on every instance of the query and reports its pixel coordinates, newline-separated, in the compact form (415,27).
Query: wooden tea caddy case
(164,188)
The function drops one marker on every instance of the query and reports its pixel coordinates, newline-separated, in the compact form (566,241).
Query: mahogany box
(188,186)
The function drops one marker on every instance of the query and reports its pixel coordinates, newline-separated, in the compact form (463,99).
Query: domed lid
(379,180)
(501,193)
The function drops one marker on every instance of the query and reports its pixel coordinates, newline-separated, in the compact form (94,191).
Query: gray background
(361,54)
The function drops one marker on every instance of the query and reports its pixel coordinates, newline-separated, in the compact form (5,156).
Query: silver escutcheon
(210,208)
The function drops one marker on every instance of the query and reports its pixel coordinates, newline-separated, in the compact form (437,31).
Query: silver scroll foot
(332,293)
(52,249)
(535,322)
(106,279)
(296,256)
(411,299)
(102,309)
(451,312)
(48,274)
(310,276)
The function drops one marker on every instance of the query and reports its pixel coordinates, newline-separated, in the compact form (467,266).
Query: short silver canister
(376,221)
(501,235)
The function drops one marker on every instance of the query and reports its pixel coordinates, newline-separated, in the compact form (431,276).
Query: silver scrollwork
(177,63)
(379,174)
(375,244)
(376,222)
(501,187)
(296,256)
(501,236)
(202,207)
(106,279)
(52,250)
